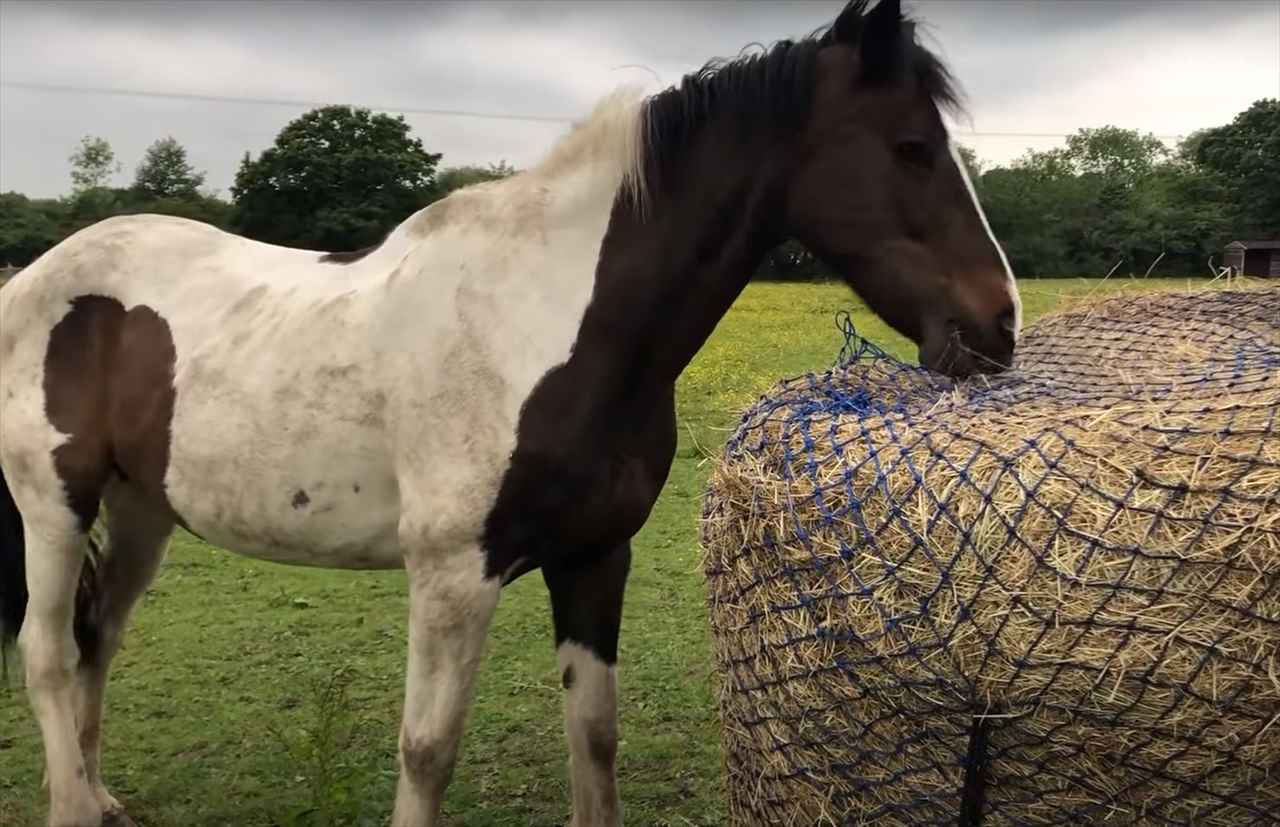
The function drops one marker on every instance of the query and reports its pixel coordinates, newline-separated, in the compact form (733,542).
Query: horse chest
(586,490)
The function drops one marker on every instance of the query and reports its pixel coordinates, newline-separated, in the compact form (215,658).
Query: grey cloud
(1027,66)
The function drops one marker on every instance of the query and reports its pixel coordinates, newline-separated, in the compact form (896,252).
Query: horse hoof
(118,818)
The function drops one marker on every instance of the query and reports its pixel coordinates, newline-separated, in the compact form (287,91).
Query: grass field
(253,694)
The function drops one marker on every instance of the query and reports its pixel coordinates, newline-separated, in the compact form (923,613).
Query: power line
(295,102)
(407,110)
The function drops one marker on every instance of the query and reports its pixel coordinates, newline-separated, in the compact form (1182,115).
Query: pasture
(254,694)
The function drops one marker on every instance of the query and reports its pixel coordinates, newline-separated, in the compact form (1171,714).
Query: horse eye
(915,152)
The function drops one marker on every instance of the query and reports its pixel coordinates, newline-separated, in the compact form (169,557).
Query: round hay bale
(1050,596)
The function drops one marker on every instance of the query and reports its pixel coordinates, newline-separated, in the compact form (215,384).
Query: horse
(488,391)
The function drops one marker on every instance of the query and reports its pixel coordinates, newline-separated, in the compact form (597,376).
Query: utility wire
(193,96)
(407,110)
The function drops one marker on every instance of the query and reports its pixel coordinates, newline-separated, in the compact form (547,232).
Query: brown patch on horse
(602,743)
(118,818)
(108,384)
(422,757)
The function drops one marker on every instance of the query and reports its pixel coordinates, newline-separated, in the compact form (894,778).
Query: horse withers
(488,392)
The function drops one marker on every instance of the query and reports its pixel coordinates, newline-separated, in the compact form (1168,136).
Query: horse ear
(882,40)
(848,26)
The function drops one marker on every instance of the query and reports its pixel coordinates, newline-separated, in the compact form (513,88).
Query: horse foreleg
(586,604)
(450,606)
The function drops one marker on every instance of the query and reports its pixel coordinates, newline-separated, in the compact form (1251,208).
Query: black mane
(775,83)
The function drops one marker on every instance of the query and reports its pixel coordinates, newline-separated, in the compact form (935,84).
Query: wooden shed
(1254,258)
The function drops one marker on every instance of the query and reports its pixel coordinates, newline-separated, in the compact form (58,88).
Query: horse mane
(610,134)
(646,136)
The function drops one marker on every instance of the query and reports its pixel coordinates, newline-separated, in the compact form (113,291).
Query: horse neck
(666,279)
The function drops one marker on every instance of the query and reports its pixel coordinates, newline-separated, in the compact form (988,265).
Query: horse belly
(295,471)
(285,506)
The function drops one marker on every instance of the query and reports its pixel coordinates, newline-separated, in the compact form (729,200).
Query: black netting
(1050,596)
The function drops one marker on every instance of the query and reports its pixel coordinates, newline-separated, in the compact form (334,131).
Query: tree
(336,178)
(1123,155)
(455,178)
(27,227)
(792,261)
(1110,195)
(1246,155)
(92,164)
(91,206)
(1184,213)
(972,164)
(1189,148)
(1037,209)
(166,173)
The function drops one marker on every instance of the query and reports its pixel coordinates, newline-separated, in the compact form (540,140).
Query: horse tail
(13,582)
(13,568)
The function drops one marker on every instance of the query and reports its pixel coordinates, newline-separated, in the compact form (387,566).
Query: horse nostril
(1006,319)
(1006,323)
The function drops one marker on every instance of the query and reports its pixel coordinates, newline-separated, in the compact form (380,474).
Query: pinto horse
(487,392)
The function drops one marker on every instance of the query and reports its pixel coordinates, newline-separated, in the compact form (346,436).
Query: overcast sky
(1027,66)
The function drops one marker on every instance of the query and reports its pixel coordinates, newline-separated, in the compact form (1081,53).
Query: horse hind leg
(137,535)
(55,550)
(70,617)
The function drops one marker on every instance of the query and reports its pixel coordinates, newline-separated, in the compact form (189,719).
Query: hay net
(1050,596)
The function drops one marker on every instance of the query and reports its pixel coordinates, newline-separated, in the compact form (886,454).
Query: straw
(1050,596)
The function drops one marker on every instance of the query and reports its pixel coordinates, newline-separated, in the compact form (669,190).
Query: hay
(1049,597)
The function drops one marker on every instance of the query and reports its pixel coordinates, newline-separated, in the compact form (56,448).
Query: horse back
(230,380)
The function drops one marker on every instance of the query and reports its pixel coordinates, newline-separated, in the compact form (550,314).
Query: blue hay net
(1050,596)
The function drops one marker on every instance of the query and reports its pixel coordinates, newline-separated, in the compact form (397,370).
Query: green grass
(254,694)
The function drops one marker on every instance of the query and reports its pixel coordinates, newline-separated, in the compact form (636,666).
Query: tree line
(339,178)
